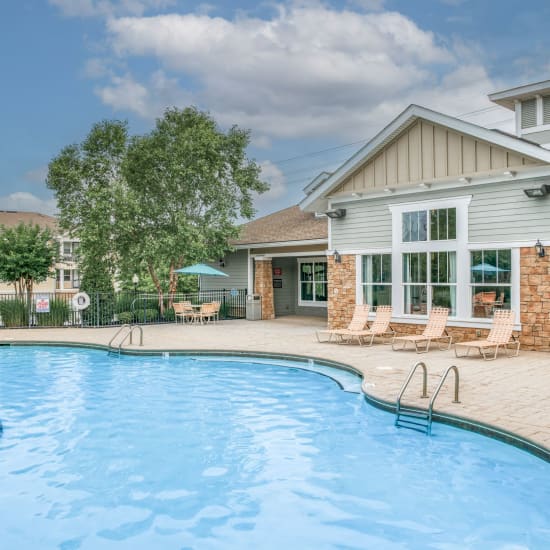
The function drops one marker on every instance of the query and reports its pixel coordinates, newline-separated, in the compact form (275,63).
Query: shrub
(58,315)
(146,316)
(126,317)
(169,314)
(14,313)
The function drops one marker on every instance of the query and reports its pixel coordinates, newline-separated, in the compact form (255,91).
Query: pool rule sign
(42,303)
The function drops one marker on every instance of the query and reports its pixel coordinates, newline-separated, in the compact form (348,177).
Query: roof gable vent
(529,113)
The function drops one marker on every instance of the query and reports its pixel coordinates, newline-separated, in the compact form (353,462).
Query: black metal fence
(110,308)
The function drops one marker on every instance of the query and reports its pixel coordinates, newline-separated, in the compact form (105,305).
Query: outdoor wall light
(356,195)
(509,173)
(464,180)
(337,257)
(425,185)
(336,213)
(538,192)
(389,189)
(540,249)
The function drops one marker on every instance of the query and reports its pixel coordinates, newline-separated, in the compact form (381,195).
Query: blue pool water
(133,453)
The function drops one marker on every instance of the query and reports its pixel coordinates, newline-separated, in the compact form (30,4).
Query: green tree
(86,179)
(187,185)
(27,256)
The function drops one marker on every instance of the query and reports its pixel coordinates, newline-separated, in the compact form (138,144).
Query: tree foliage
(154,202)
(86,179)
(27,256)
(187,182)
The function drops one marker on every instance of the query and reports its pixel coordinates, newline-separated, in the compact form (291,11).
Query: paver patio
(509,393)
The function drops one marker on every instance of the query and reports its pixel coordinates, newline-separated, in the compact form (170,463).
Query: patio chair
(435,330)
(216,306)
(206,313)
(183,310)
(499,336)
(379,327)
(358,322)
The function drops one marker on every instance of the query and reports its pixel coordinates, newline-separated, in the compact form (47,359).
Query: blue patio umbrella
(488,268)
(201,269)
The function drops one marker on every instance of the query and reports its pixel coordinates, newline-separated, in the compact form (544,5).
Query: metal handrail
(436,393)
(404,387)
(129,334)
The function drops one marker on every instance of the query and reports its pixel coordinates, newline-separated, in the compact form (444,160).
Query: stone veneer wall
(263,285)
(341,291)
(534,302)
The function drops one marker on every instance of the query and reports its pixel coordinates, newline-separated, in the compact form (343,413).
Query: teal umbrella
(201,269)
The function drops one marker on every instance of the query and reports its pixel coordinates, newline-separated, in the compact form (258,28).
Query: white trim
(428,204)
(505,97)
(290,254)
(365,251)
(405,119)
(517,105)
(539,128)
(358,279)
(250,273)
(304,242)
(310,303)
(539,113)
(471,322)
(504,244)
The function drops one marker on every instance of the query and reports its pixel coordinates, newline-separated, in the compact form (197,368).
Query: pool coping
(456,421)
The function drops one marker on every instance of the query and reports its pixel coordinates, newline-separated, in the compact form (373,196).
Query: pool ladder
(125,331)
(416,418)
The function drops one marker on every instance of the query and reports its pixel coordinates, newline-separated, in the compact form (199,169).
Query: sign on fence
(42,303)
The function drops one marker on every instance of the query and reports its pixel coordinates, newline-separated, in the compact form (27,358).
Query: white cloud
(148,101)
(310,70)
(108,8)
(277,185)
(28,202)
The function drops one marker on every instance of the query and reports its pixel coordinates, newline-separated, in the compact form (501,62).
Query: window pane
(321,271)
(306,272)
(444,296)
(406,222)
(504,266)
(451,221)
(414,267)
(367,269)
(433,224)
(376,268)
(422,226)
(307,291)
(489,266)
(377,295)
(443,267)
(386,268)
(415,299)
(321,292)
(487,299)
(476,269)
(442,215)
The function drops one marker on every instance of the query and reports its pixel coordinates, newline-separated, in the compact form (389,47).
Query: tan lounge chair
(500,335)
(358,322)
(380,327)
(183,310)
(435,330)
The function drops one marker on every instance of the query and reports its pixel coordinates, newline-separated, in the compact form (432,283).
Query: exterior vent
(529,113)
(546,109)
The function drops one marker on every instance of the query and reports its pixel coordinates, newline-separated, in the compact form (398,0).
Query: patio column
(341,290)
(263,285)
(534,300)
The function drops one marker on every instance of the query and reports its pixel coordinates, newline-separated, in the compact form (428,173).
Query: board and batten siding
(426,152)
(499,212)
(236,266)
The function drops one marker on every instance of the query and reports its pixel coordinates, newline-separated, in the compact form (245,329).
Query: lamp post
(135,280)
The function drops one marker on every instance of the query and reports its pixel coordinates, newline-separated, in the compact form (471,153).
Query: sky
(313,81)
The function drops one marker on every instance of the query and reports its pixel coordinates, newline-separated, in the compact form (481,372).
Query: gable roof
(506,98)
(398,125)
(11,218)
(290,224)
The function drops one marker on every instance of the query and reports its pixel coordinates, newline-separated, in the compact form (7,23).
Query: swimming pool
(151,452)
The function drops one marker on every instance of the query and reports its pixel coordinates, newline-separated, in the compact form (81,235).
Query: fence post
(97,309)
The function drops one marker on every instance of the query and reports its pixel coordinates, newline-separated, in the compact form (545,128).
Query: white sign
(42,303)
(234,292)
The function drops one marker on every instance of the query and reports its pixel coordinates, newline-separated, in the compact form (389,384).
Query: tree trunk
(158,286)
(173,284)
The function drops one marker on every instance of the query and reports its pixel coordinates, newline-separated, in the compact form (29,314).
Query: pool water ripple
(105,452)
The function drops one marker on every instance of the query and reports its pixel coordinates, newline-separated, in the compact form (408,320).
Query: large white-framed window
(312,282)
(430,256)
(376,279)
